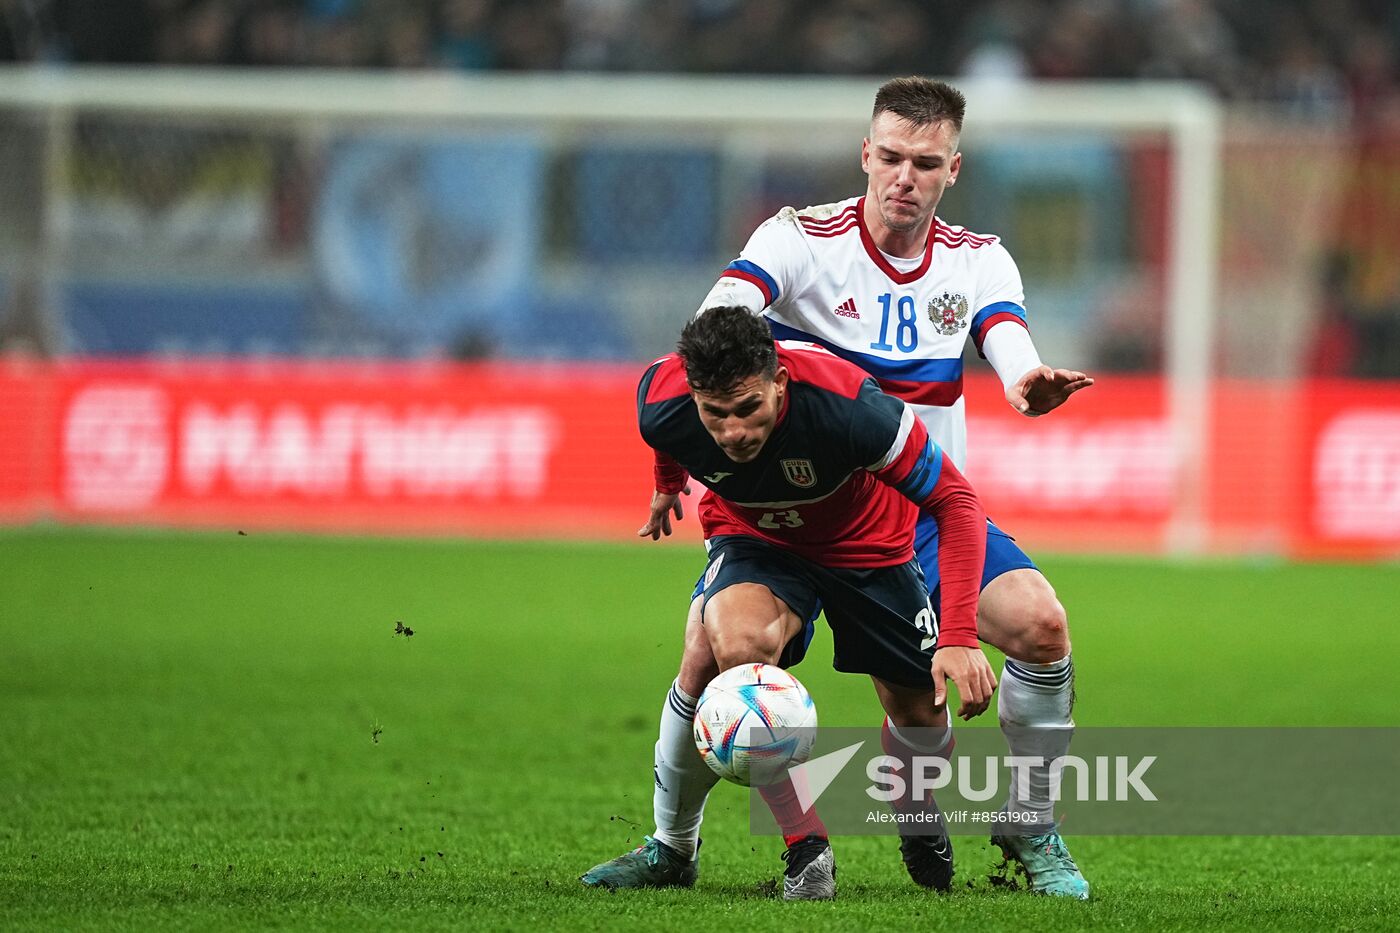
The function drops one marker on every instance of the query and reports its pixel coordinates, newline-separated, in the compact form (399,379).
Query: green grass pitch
(224,731)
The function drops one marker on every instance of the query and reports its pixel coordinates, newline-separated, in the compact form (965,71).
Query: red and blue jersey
(837,483)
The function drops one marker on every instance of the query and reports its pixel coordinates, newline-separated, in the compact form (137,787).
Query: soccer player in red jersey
(815,476)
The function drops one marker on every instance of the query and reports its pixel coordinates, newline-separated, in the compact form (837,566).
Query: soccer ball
(753,723)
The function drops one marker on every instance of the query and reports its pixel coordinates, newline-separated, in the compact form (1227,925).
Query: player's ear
(865,155)
(780,378)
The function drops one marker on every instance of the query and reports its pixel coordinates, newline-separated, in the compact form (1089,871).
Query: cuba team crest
(948,312)
(799,473)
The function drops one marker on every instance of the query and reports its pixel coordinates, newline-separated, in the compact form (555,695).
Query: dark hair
(721,347)
(921,101)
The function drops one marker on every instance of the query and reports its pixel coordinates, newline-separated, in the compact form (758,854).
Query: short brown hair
(921,101)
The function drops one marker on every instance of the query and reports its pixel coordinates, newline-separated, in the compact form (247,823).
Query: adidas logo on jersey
(847,308)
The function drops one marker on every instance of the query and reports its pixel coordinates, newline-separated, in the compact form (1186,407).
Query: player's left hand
(663,506)
(970,672)
(1043,389)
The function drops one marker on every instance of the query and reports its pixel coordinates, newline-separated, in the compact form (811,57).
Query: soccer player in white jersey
(883,282)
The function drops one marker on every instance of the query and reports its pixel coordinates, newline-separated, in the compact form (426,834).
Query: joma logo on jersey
(948,312)
(799,473)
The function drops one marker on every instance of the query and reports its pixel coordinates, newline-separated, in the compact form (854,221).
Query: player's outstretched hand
(970,672)
(1043,389)
(663,505)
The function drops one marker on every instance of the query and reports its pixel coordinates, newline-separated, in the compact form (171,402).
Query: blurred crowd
(1334,64)
(1313,55)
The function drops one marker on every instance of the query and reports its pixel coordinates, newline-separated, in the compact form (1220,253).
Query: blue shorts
(1002,555)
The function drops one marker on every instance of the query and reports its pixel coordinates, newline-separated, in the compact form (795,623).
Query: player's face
(909,168)
(742,420)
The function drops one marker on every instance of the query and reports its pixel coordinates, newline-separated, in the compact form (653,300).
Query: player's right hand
(970,672)
(663,504)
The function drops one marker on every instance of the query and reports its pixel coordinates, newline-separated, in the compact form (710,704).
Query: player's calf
(924,846)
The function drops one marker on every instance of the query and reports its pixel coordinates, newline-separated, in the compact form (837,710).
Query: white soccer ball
(753,722)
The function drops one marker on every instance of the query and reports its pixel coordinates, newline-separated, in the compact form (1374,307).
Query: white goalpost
(781,121)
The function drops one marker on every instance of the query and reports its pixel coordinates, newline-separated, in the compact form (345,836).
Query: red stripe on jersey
(873,251)
(991,322)
(850,225)
(959,242)
(955,238)
(832,221)
(924,393)
(752,280)
(823,369)
(669,381)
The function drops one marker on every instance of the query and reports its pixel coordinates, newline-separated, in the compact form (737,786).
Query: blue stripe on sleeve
(758,272)
(924,477)
(997,308)
(878,366)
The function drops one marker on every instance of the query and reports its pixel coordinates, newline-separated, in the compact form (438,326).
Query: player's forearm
(670,476)
(917,468)
(962,551)
(733,291)
(1010,350)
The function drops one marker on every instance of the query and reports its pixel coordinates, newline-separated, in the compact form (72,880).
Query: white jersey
(817,275)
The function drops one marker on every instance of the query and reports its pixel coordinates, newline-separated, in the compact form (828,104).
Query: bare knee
(1045,633)
(1020,614)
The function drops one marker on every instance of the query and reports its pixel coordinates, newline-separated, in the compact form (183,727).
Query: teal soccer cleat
(653,864)
(1048,865)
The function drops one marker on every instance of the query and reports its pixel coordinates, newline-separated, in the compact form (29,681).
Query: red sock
(787,810)
(896,748)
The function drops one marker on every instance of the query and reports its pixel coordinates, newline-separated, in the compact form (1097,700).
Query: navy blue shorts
(1002,555)
(880,618)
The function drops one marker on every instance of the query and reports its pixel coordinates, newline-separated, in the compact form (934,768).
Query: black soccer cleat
(929,860)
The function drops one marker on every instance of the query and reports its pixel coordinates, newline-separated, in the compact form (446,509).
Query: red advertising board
(24,427)
(1100,473)
(1348,479)
(1308,469)
(518,450)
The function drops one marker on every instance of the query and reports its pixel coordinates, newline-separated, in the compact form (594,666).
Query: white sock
(683,780)
(1034,704)
(936,740)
